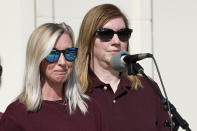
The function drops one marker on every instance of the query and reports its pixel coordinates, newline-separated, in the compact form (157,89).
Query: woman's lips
(115,51)
(61,72)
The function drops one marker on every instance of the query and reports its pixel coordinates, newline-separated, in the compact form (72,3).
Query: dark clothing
(1,115)
(127,109)
(53,116)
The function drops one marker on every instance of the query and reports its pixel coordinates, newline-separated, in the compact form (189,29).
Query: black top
(127,109)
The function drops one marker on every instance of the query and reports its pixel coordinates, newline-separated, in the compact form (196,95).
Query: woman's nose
(62,60)
(115,39)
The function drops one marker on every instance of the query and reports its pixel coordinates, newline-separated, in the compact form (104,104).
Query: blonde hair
(94,20)
(40,43)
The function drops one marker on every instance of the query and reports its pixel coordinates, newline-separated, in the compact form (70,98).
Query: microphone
(121,60)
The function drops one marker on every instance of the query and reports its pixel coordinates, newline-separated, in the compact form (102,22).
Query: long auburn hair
(93,20)
(40,43)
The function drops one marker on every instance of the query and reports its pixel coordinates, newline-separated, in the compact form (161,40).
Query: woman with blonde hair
(52,99)
(127,102)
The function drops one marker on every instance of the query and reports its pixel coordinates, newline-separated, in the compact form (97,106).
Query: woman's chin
(60,79)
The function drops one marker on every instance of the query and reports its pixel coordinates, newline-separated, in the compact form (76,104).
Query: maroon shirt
(129,110)
(1,114)
(51,117)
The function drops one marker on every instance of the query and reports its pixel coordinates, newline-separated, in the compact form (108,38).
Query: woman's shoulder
(15,105)
(15,108)
(148,83)
(92,105)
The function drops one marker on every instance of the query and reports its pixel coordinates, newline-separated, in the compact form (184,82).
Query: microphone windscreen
(116,62)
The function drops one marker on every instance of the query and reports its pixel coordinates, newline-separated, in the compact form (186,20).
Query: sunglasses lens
(105,34)
(53,56)
(124,34)
(70,54)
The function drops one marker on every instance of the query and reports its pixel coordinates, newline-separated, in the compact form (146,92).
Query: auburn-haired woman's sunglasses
(106,34)
(70,54)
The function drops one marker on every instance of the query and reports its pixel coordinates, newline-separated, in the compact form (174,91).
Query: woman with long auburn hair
(127,102)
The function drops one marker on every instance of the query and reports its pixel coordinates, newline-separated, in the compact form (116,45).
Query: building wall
(17,22)
(175,50)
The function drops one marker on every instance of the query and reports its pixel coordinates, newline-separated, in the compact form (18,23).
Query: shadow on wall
(1,71)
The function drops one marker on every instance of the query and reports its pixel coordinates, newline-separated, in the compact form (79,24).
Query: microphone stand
(177,120)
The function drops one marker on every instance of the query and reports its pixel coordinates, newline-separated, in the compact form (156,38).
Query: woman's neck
(52,91)
(108,76)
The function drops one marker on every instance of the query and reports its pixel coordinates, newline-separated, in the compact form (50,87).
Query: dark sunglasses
(70,54)
(106,34)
